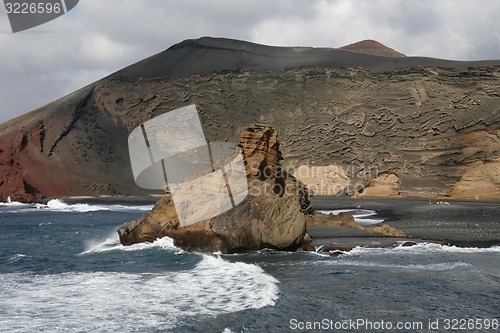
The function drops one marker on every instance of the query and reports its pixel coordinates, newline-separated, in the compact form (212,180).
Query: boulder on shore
(346,219)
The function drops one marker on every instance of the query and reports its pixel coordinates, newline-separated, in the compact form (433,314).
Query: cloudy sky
(99,37)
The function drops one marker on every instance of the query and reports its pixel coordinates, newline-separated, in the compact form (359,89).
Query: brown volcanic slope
(370,46)
(430,124)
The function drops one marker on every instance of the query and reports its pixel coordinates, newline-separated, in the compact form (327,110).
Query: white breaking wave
(15,207)
(13,204)
(112,243)
(56,205)
(360,215)
(433,247)
(118,302)
(447,266)
(422,248)
(228,330)
(16,257)
(370,257)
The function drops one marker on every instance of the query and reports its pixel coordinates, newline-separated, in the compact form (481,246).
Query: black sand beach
(468,224)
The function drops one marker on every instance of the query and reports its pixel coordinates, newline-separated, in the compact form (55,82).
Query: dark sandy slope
(209,54)
(431,122)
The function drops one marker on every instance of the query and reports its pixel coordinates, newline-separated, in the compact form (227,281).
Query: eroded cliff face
(429,127)
(68,148)
(437,129)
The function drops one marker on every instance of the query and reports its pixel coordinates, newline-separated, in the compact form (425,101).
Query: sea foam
(56,205)
(423,248)
(112,243)
(116,301)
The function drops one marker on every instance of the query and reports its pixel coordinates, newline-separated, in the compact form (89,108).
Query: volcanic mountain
(370,46)
(368,124)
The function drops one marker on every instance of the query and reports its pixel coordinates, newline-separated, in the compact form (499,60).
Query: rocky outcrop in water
(347,220)
(272,215)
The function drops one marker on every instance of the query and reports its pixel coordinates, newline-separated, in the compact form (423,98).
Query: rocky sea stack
(274,215)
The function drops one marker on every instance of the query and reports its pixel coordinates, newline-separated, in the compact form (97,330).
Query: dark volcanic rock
(149,227)
(432,124)
(345,219)
(162,221)
(264,220)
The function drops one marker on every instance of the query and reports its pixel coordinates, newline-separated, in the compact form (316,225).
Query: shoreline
(459,223)
(318,200)
(137,200)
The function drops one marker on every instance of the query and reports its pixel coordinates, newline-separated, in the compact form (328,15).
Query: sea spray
(117,301)
(61,206)
(112,243)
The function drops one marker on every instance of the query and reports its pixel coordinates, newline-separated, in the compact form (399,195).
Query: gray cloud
(99,37)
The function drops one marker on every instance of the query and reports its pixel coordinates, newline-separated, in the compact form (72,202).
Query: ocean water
(62,269)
